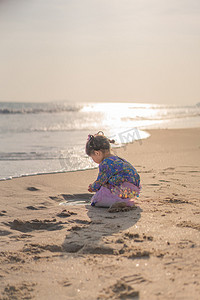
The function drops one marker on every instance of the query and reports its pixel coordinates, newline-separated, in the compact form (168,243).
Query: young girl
(117,181)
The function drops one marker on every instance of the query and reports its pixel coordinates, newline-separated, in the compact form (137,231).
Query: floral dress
(117,181)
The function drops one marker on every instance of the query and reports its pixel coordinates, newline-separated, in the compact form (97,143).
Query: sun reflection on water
(121,116)
(142,115)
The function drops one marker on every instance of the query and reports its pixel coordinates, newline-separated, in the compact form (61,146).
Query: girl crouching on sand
(117,181)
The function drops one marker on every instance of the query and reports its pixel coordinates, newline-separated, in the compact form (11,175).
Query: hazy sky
(100,50)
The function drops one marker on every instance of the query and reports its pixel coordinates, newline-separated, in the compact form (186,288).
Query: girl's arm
(103,177)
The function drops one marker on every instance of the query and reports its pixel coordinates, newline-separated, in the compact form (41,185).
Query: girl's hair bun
(97,142)
(101,133)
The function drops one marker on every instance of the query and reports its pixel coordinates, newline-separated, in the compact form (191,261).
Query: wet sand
(52,251)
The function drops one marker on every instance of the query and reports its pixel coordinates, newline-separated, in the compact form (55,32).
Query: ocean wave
(35,110)
(162,117)
(8,156)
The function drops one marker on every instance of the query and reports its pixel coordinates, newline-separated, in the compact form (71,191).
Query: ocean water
(37,138)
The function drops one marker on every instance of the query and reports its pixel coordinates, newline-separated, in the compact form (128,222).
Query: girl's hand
(89,189)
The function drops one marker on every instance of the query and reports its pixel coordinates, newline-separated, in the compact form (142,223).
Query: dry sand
(49,251)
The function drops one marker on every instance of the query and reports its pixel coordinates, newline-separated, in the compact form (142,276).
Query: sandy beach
(52,251)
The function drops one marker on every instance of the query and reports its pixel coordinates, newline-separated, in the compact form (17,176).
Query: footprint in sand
(137,238)
(27,226)
(134,253)
(20,291)
(189,225)
(119,290)
(37,248)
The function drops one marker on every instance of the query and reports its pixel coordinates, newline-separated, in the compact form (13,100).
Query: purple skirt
(106,196)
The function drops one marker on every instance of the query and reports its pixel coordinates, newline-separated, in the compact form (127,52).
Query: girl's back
(120,171)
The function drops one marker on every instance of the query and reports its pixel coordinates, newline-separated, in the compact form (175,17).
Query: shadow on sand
(98,233)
